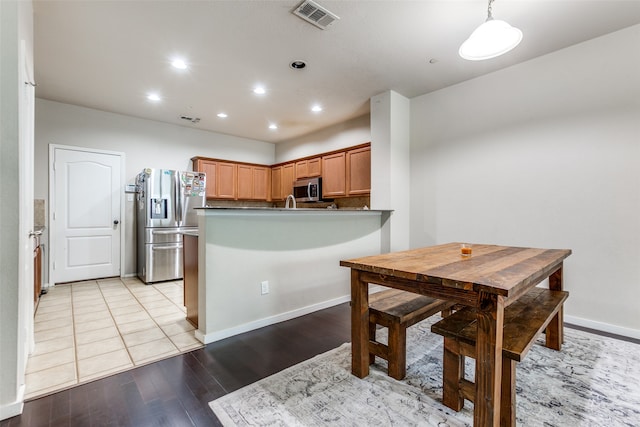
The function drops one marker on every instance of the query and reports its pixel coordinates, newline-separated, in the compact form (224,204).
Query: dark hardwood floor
(177,391)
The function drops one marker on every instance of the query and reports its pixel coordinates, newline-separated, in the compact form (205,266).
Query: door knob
(116,222)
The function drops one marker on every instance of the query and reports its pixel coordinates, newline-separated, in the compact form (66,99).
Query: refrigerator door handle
(178,198)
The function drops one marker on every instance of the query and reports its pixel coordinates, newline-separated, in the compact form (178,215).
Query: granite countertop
(292,210)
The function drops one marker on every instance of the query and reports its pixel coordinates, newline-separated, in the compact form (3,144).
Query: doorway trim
(52,234)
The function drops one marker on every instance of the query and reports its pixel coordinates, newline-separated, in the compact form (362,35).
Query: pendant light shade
(493,38)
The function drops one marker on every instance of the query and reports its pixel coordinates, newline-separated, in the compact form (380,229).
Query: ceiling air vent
(312,12)
(193,120)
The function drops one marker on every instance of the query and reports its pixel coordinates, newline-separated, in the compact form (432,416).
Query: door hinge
(54,265)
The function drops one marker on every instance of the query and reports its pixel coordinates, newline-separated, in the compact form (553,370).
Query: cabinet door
(314,167)
(334,175)
(359,171)
(210,169)
(260,183)
(245,182)
(301,169)
(226,175)
(288,176)
(276,183)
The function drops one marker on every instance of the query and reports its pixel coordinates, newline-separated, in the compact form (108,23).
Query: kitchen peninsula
(259,266)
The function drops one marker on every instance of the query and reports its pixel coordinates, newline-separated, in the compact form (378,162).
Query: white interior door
(86,215)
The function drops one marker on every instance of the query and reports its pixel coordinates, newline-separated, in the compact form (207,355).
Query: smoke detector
(312,12)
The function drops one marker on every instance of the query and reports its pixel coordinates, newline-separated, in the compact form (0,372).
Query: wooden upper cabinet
(245,182)
(308,168)
(221,178)
(334,175)
(276,183)
(261,178)
(209,168)
(359,171)
(227,179)
(344,173)
(288,176)
(253,182)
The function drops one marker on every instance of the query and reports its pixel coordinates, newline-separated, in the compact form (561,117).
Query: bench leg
(372,337)
(452,375)
(508,392)
(555,332)
(397,351)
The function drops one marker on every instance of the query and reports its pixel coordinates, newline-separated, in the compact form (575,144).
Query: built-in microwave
(308,190)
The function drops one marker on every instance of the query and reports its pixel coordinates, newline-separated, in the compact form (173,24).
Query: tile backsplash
(39,213)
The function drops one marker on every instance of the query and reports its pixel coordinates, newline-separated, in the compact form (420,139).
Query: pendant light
(493,38)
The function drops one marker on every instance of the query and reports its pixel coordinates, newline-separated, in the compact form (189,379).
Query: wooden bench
(524,320)
(397,310)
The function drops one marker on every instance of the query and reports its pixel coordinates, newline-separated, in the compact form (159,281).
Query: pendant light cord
(489,16)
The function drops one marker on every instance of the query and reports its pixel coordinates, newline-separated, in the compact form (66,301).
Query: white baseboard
(15,408)
(260,323)
(603,327)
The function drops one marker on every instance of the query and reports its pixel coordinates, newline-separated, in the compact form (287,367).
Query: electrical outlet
(265,287)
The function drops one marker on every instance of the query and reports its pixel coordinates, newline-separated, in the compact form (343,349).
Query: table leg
(359,326)
(490,316)
(555,329)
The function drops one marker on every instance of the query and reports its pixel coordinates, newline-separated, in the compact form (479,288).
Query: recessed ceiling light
(316,108)
(273,126)
(153,97)
(179,64)
(222,115)
(298,65)
(259,90)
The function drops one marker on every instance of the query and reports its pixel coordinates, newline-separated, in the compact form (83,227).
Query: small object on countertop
(365,208)
(332,206)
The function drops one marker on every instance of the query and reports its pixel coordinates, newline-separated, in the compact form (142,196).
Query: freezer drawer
(162,262)
(165,235)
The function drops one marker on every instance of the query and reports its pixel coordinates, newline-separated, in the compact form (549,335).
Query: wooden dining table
(490,279)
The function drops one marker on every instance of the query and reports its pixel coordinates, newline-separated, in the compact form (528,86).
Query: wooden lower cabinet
(190,277)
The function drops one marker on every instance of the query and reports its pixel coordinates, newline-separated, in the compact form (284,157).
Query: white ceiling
(108,55)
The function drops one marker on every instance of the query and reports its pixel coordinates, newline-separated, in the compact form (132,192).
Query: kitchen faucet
(290,197)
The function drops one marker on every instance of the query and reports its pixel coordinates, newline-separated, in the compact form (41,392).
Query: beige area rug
(593,381)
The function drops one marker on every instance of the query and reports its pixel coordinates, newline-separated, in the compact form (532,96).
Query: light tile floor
(89,330)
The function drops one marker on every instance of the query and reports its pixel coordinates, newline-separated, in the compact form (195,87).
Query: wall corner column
(390,163)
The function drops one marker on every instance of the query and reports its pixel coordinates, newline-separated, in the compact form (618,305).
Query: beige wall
(347,134)
(542,154)
(145,143)
(297,252)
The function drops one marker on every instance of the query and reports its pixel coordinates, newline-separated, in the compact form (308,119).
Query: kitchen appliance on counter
(164,210)
(308,190)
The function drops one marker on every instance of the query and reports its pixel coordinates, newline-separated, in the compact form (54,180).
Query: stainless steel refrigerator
(164,210)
